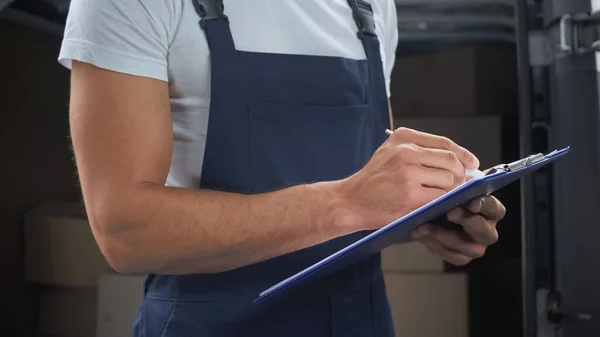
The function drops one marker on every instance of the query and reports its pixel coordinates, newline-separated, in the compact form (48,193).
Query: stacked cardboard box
(119,297)
(81,295)
(463,94)
(425,301)
(428,304)
(469,80)
(60,248)
(410,257)
(62,256)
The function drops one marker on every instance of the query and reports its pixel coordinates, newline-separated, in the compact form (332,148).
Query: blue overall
(277,121)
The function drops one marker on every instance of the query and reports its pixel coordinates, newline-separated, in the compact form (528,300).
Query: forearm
(157,229)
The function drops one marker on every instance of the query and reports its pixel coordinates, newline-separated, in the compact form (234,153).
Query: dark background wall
(36,164)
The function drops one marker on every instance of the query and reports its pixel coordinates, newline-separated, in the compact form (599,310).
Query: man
(222,149)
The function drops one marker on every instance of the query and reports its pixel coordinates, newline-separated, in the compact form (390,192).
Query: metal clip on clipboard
(519,164)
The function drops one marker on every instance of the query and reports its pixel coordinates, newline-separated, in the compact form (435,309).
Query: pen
(472,173)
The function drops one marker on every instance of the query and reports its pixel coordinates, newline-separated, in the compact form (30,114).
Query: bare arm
(122,138)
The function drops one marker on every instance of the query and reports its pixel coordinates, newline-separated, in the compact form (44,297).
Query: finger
(442,159)
(421,231)
(452,256)
(488,206)
(455,240)
(435,178)
(480,229)
(422,139)
(421,195)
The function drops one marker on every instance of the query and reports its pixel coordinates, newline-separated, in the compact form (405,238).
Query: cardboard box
(455,82)
(60,248)
(68,312)
(119,298)
(482,135)
(428,305)
(410,257)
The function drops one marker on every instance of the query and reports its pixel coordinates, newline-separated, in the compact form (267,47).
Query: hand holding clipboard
(465,232)
(402,228)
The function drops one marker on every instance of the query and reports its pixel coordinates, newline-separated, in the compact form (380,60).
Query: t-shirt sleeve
(390,42)
(126,36)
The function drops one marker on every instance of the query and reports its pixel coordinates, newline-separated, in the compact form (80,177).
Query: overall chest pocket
(295,144)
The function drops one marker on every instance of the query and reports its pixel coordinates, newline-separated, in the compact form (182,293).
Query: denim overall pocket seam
(257,105)
(181,318)
(168,320)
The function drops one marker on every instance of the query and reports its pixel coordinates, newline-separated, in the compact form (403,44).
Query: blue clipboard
(401,229)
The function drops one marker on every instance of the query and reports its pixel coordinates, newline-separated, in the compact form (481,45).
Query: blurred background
(503,78)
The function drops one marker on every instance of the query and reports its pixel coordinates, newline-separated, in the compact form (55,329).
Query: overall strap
(215,24)
(362,12)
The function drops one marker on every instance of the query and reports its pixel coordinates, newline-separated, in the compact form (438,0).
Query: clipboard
(401,229)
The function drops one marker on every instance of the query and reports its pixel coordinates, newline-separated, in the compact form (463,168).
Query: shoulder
(156,16)
(131,9)
(130,36)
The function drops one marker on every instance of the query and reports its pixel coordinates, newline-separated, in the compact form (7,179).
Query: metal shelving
(433,24)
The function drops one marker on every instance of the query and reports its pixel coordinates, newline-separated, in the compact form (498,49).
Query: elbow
(124,255)
(119,253)
(118,260)
(116,241)
(121,261)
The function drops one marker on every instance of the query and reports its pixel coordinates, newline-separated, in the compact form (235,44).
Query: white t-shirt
(161,39)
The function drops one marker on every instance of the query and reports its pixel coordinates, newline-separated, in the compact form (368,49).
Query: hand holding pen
(469,172)
(408,171)
(478,219)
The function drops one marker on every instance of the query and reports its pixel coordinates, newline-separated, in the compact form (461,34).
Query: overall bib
(276,121)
